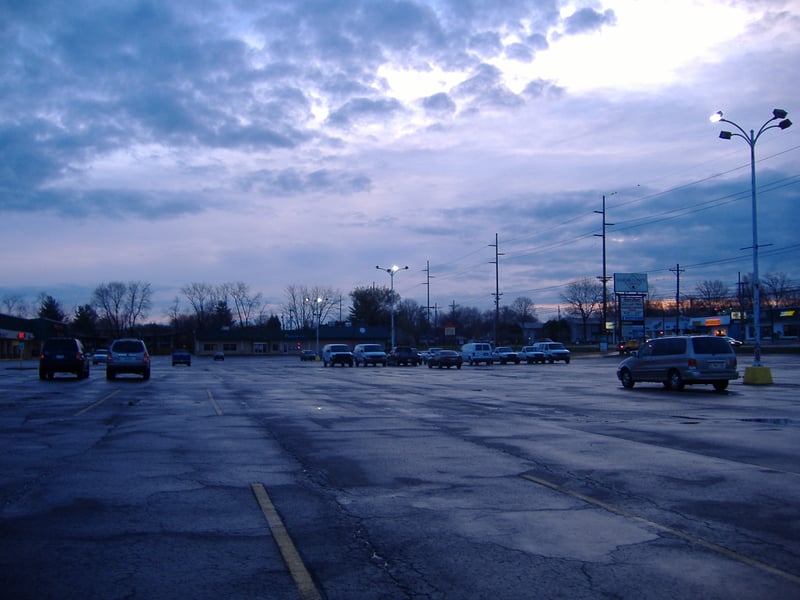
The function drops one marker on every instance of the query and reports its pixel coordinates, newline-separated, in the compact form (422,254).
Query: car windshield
(372,348)
(341,348)
(556,346)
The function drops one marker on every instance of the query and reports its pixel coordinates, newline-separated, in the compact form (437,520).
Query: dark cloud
(293,182)
(587,19)
(439,103)
(360,110)
(485,88)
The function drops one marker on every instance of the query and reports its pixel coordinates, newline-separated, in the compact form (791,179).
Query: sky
(281,143)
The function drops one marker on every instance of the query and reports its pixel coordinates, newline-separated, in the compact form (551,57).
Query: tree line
(116,309)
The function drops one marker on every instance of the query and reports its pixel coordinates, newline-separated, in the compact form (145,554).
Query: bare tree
(137,303)
(778,288)
(121,305)
(713,293)
(245,304)
(308,306)
(14,305)
(109,300)
(203,298)
(583,297)
(524,309)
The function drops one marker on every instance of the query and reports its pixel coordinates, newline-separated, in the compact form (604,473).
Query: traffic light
(21,335)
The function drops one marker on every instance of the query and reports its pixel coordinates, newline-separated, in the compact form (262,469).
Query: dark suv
(63,355)
(128,355)
(403,355)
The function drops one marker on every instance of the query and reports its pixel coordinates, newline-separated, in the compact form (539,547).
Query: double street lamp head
(391,270)
(777,113)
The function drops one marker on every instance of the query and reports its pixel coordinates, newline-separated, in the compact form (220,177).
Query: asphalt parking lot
(276,478)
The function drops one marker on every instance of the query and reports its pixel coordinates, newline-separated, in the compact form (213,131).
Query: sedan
(445,358)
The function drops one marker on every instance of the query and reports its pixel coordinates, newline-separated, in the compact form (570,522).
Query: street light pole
(317,312)
(391,271)
(783,123)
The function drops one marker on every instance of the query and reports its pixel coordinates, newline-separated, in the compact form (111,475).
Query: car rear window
(711,345)
(60,346)
(128,347)
(340,349)
(372,348)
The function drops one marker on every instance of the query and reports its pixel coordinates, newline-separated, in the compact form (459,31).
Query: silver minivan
(681,360)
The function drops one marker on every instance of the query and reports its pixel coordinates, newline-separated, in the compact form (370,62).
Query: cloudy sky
(305,142)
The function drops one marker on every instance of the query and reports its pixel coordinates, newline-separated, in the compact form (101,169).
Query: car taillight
(146,357)
(692,363)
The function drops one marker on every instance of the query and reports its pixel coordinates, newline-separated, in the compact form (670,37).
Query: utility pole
(496,294)
(604,278)
(677,270)
(427,270)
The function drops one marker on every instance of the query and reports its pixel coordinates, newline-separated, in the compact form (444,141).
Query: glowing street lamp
(316,311)
(391,271)
(751,139)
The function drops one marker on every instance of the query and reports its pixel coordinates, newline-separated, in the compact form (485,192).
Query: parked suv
(369,354)
(477,352)
(128,355)
(63,355)
(337,354)
(680,360)
(553,351)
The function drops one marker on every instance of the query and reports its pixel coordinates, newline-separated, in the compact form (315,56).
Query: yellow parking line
(96,404)
(300,575)
(676,532)
(217,409)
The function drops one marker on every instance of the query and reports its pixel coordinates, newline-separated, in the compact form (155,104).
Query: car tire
(721,385)
(146,374)
(566,361)
(674,381)
(42,374)
(627,379)
(110,374)
(458,366)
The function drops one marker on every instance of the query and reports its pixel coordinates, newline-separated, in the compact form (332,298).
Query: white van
(477,352)
(369,354)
